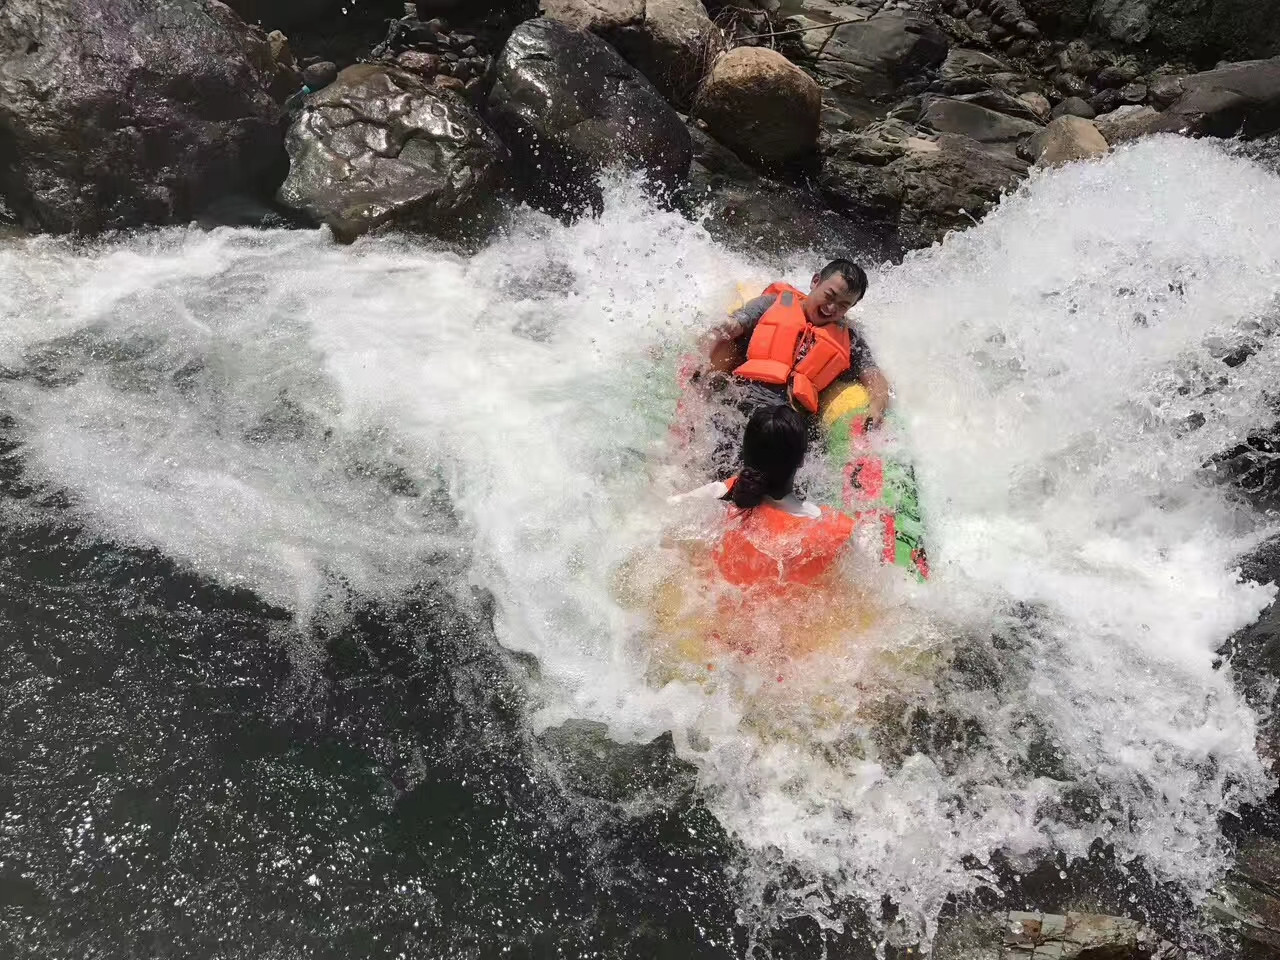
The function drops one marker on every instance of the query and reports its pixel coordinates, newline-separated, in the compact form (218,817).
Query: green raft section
(879,486)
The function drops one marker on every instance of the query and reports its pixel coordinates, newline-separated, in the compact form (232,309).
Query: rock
(1001,101)
(759,216)
(1128,21)
(378,146)
(1038,104)
(1240,98)
(425,65)
(1074,107)
(875,57)
(1070,85)
(568,106)
(1164,91)
(1066,139)
(760,104)
(669,41)
(1118,74)
(933,187)
(1131,122)
(443,81)
(319,75)
(106,128)
(968,71)
(1133,93)
(1249,899)
(1087,936)
(1077,58)
(945,115)
(595,766)
(1104,101)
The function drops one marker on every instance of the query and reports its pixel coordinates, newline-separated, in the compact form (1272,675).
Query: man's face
(829,300)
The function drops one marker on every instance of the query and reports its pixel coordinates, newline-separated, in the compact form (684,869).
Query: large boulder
(1238,98)
(875,57)
(969,119)
(1066,139)
(569,107)
(669,41)
(762,105)
(125,113)
(930,188)
(378,146)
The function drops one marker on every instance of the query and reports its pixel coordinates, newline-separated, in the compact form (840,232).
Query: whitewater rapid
(314,421)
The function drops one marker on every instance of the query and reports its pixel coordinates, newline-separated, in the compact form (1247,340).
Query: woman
(773,540)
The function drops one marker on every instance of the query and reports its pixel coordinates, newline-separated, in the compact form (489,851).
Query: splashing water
(284,414)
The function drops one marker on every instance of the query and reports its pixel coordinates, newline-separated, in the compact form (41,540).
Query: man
(787,347)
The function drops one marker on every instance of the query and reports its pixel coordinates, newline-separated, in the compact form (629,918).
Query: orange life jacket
(768,547)
(779,337)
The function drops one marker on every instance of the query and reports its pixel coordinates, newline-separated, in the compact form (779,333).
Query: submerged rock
(379,146)
(603,769)
(762,105)
(669,41)
(1081,936)
(128,113)
(569,107)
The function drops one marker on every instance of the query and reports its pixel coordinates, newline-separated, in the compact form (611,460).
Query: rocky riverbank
(866,124)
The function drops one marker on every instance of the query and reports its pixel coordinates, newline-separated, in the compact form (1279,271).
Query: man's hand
(878,392)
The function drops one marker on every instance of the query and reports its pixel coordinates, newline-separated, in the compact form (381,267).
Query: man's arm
(722,344)
(862,368)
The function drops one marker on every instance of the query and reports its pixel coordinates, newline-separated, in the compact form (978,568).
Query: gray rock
(1249,899)
(1074,107)
(319,75)
(1065,140)
(762,105)
(1128,21)
(107,127)
(964,65)
(1031,936)
(595,766)
(1131,122)
(1240,98)
(1134,93)
(945,115)
(1164,91)
(669,41)
(568,106)
(875,57)
(934,187)
(1006,103)
(378,146)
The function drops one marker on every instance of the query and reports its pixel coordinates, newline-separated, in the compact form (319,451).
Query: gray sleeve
(860,357)
(749,314)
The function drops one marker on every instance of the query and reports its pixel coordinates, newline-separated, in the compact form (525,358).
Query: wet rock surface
(568,106)
(132,113)
(378,146)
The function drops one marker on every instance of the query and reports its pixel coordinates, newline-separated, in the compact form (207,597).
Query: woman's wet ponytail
(773,449)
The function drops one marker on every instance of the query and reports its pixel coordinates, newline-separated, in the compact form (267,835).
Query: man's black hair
(854,276)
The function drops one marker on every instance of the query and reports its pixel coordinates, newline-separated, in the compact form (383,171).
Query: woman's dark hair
(772,451)
(854,276)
